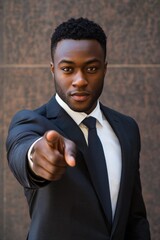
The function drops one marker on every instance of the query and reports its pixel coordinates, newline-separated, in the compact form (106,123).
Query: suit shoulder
(123,118)
(41,110)
(29,114)
(128,125)
(26,114)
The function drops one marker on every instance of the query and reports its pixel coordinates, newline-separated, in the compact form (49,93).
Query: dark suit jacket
(70,209)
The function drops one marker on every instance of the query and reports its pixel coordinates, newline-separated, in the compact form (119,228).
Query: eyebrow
(87,62)
(66,61)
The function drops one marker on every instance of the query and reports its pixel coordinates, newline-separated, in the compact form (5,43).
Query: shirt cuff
(32,175)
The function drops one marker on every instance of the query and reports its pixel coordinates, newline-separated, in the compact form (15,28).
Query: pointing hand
(51,155)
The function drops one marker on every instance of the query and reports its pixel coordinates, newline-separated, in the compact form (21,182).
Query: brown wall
(132,83)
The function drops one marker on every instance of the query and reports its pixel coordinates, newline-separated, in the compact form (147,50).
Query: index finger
(55,140)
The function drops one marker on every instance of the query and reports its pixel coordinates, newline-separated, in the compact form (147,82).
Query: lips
(80,96)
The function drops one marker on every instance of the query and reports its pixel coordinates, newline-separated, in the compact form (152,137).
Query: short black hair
(78,29)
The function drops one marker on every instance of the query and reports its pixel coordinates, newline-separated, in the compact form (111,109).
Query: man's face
(79,69)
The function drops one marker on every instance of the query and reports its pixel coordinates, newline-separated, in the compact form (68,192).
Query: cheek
(61,84)
(98,82)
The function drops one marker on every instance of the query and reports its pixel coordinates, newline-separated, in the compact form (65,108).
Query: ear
(52,67)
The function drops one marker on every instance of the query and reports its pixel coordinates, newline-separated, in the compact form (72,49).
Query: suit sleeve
(138,226)
(25,128)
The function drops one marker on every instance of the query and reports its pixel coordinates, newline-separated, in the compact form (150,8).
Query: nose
(79,80)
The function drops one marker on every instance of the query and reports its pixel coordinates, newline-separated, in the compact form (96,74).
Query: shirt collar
(78,117)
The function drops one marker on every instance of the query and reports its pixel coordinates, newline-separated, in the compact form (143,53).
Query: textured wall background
(132,83)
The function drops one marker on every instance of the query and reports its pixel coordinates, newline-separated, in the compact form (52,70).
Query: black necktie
(98,165)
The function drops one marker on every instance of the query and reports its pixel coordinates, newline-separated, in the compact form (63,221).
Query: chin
(81,109)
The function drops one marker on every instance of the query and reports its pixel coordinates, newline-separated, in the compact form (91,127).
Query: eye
(67,69)
(91,69)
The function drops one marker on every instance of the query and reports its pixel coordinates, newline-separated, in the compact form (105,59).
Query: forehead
(73,49)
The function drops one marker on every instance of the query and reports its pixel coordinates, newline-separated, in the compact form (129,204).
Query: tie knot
(90,122)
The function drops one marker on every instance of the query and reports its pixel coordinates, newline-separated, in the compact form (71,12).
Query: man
(74,189)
